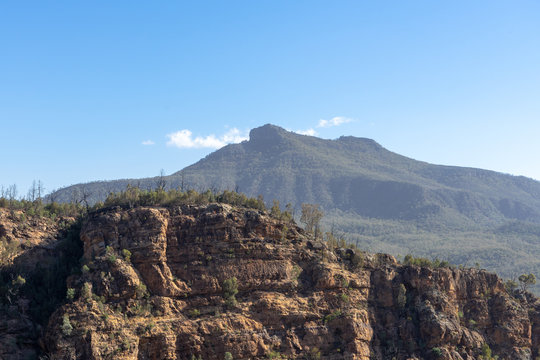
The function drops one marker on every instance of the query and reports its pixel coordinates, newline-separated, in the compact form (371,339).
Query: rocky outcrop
(26,241)
(201,281)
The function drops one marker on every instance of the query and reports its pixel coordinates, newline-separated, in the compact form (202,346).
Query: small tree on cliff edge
(526,281)
(311,217)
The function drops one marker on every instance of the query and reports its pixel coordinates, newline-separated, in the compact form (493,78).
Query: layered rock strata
(158,283)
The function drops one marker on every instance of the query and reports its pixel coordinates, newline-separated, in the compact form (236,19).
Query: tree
(160,181)
(526,281)
(275,211)
(311,217)
(230,289)
(85,195)
(32,192)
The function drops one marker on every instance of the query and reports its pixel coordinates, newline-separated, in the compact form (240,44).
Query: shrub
(230,289)
(275,211)
(510,286)
(70,294)
(437,352)
(228,356)
(19,281)
(127,255)
(314,354)
(332,316)
(420,261)
(141,291)
(86,292)
(486,353)
(109,253)
(274,355)
(66,325)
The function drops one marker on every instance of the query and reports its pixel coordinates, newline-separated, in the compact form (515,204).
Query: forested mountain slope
(378,199)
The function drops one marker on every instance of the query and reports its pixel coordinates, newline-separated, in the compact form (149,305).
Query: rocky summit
(221,282)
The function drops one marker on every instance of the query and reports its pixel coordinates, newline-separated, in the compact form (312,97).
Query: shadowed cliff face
(157,285)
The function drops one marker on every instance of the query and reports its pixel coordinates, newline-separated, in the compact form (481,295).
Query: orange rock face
(157,285)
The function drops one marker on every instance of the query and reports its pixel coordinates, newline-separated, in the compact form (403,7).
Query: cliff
(31,246)
(201,281)
(381,200)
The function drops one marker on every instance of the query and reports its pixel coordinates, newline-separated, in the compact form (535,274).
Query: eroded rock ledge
(153,288)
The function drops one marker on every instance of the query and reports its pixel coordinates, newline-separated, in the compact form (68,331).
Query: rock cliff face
(159,284)
(25,240)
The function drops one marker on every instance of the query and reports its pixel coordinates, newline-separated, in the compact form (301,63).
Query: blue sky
(85,85)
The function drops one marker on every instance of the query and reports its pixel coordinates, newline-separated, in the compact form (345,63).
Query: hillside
(216,281)
(375,198)
(350,174)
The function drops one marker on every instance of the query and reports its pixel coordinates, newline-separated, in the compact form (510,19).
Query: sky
(123,89)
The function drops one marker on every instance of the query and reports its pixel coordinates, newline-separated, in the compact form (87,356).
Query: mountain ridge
(377,199)
(271,141)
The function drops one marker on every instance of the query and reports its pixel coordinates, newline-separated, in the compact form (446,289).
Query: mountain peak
(266,131)
(267,136)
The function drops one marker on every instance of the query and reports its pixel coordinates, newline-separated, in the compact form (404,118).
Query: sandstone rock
(293,297)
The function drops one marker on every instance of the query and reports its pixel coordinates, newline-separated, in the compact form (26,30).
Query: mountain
(350,174)
(216,281)
(378,199)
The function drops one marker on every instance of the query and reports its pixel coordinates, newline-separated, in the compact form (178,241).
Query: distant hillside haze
(380,200)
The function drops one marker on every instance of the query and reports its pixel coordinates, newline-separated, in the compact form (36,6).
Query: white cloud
(184,139)
(148,142)
(310,132)
(335,121)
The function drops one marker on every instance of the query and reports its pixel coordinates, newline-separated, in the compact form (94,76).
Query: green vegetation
(228,356)
(510,286)
(110,254)
(126,254)
(402,296)
(230,289)
(275,355)
(141,291)
(334,315)
(86,292)
(526,280)
(67,328)
(70,294)
(314,354)
(133,196)
(35,205)
(419,261)
(486,353)
(437,352)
